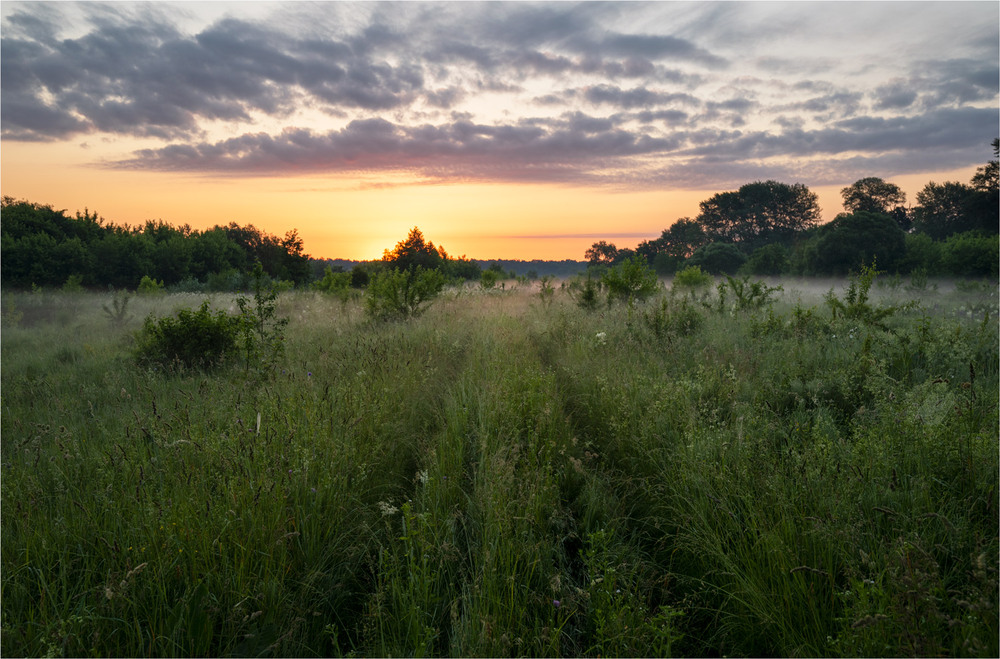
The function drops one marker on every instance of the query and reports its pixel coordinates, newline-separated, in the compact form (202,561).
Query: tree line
(772,228)
(763,228)
(42,246)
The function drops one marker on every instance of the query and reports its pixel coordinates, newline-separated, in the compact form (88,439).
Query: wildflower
(387,508)
(309,374)
(556,603)
(602,338)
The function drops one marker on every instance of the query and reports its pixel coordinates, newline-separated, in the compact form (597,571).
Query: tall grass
(507,475)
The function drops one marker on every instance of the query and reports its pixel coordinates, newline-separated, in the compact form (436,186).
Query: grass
(507,475)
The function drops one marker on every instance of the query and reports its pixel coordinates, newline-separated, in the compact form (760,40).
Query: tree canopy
(872,195)
(759,213)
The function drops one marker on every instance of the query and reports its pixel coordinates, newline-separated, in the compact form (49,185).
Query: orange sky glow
(501,130)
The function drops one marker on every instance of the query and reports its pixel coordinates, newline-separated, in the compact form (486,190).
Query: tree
(768,260)
(601,253)
(759,213)
(718,258)
(944,209)
(987,178)
(630,280)
(852,240)
(414,252)
(872,195)
(675,244)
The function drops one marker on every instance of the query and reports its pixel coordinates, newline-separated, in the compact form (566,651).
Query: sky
(514,130)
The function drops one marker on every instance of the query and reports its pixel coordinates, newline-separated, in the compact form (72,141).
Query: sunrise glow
(502,130)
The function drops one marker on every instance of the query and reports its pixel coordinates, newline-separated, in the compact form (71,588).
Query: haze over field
(503,130)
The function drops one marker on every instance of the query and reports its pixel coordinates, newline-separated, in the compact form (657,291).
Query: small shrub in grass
(693,278)
(488,280)
(743,294)
(673,318)
(855,304)
(585,292)
(261,330)
(630,280)
(149,286)
(191,339)
(402,293)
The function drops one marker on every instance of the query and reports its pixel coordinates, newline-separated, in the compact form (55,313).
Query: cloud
(635,94)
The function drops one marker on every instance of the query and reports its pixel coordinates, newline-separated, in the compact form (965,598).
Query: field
(510,475)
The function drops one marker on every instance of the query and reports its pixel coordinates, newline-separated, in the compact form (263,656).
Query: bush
(971,254)
(768,260)
(630,280)
(489,279)
(149,286)
(585,291)
(191,339)
(402,294)
(692,277)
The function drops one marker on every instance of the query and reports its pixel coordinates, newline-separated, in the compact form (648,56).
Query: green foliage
(630,280)
(546,291)
(672,318)
(337,284)
(402,293)
(759,213)
(851,240)
(717,258)
(692,278)
(855,304)
(509,479)
(149,286)
(190,339)
(949,208)
(262,331)
(744,295)
(489,278)
(872,195)
(586,291)
(971,254)
(770,259)
(74,284)
(46,246)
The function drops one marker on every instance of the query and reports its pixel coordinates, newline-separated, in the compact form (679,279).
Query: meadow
(790,474)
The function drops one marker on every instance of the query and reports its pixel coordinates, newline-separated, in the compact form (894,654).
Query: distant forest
(764,228)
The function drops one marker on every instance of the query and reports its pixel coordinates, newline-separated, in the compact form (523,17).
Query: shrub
(402,293)
(74,284)
(971,254)
(489,279)
(768,260)
(191,339)
(149,286)
(630,280)
(333,283)
(692,277)
(585,291)
(745,294)
(262,331)
(855,305)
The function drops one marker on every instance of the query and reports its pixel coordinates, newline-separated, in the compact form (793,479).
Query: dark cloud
(696,92)
(659,47)
(552,149)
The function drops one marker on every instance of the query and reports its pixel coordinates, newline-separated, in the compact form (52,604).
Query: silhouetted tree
(415,252)
(759,213)
(601,253)
(872,195)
